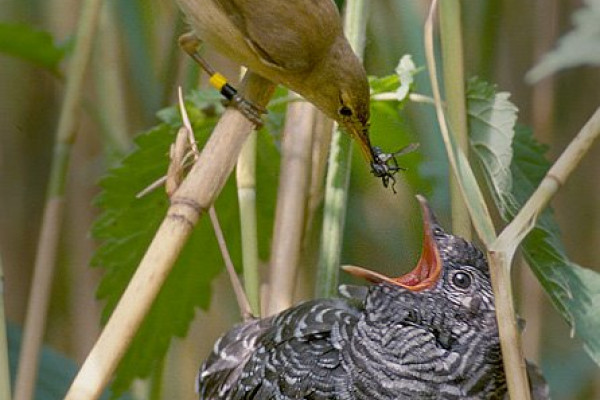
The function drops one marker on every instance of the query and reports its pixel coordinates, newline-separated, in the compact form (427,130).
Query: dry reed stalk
(192,199)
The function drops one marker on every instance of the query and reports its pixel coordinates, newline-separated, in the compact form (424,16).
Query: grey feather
(383,342)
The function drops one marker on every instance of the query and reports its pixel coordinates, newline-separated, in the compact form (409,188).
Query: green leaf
(514,164)
(472,194)
(388,83)
(492,118)
(581,46)
(574,290)
(37,47)
(395,87)
(390,132)
(127,225)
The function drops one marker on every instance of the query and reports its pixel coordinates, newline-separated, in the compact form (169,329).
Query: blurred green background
(135,71)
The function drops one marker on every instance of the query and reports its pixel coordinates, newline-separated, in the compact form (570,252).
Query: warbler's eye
(461,280)
(345,111)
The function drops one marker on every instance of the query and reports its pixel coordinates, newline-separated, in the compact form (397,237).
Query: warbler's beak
(361,135)
(429,267)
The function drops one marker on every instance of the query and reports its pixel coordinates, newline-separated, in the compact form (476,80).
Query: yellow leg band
(218,81)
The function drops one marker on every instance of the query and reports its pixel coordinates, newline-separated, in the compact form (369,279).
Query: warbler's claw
(385,165)
(191,44)
(248,109)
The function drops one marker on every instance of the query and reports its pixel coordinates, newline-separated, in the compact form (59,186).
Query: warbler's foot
(250,110)
(385,165)
(190,43)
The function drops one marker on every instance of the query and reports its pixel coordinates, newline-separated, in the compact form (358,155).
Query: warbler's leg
(190,43)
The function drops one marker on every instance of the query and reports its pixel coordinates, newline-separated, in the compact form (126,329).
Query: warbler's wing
(294,355)
(291,35)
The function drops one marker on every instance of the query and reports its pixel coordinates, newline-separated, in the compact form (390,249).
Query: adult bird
(299,44)
(429,334)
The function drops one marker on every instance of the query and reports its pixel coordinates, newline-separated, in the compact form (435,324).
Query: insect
(385,165)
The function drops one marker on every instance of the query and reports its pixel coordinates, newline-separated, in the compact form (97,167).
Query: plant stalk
(177,158)
(4,365)
(518,386)
(246,189)
(556,176)
(323,130)
(45,262)
(510,338)
(290,213)
(454,89)
(110,86)
(193,198)
(338,174)
(238,289)
(472,195)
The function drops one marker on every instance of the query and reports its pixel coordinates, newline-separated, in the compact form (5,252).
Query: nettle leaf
(492,118)
(127,226)
(25,42)
(581,46)
(574,290)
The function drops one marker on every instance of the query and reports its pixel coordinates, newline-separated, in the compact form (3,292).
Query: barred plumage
(431,334)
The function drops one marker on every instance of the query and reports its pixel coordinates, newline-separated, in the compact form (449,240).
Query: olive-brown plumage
(299,44)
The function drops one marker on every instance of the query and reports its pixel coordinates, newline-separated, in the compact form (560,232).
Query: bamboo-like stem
(393,96)
(240,295)
(518,385)
(4,366)
(172,63)
(194,197)
(355,25)
(338,174)
(334,215)
(294,182)
(453,72)
(246,189)
(510,338)
(531,307)
(110,85)
(309,253)
(472,194)
(323,130)
(177,157)
(37,307)
(502,249)
(83,307)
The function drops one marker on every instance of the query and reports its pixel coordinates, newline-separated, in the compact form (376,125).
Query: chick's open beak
(429,267)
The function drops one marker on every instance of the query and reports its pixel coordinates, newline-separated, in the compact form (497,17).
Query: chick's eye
(345,111)
(461,280)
